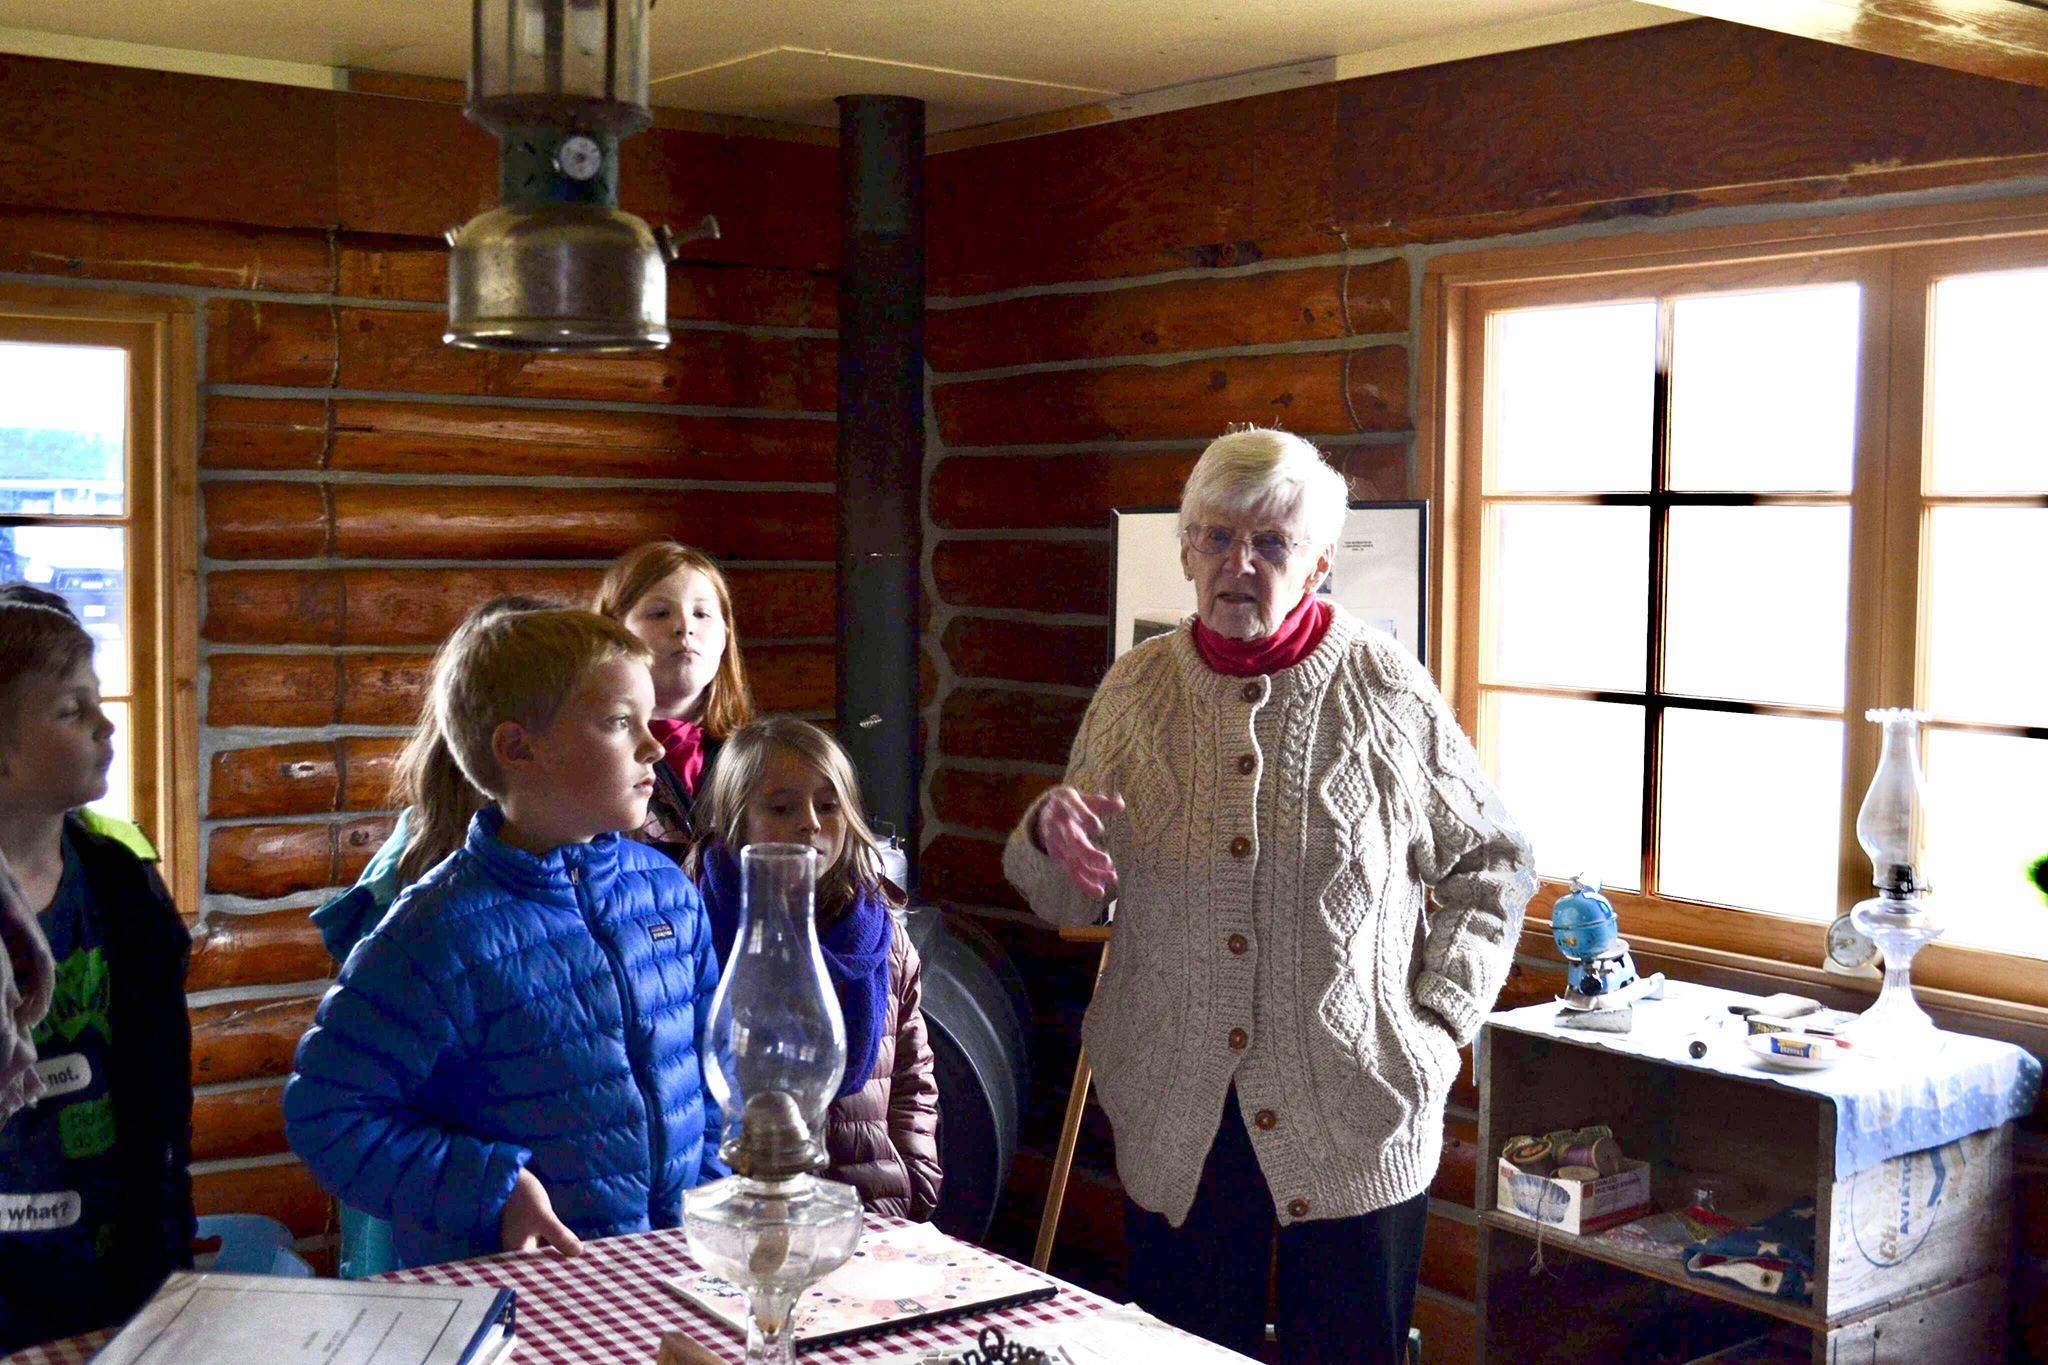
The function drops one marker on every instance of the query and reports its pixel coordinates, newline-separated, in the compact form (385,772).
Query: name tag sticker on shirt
(39,1212)
(661,931)
(63,1075)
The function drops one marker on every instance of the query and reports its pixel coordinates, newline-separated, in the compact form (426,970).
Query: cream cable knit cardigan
(1280,837)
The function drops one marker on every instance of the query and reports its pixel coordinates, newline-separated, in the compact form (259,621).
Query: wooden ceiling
(972,61)
(1005,67)
(2006,39)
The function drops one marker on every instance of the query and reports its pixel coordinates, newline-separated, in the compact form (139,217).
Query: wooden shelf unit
(1912,1253)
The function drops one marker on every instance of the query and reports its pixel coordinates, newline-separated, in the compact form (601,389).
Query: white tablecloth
(1884,1106)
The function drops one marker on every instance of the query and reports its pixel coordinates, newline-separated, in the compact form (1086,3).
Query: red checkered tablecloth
(607,1307)
(70,1351)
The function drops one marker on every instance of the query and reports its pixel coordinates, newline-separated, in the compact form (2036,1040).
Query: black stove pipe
(881,451)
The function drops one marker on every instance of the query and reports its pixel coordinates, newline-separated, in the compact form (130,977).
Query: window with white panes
(66,516)
(98,505)
(1704,515)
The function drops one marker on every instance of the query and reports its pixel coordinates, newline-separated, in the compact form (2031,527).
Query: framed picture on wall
(1381,575)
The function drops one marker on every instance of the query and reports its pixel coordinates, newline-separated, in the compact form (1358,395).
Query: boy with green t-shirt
(95,1195)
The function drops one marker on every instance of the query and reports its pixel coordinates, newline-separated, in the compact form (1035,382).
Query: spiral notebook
(898,1278)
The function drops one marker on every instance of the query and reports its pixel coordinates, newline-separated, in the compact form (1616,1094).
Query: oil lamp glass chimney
(774,1051)
(1899,919)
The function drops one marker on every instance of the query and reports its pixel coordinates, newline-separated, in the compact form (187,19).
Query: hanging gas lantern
(556,266)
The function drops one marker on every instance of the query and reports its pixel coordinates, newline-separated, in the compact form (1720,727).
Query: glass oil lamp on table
(774,1052)
(1899,919)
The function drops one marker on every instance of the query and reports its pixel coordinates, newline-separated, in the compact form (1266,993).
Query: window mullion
(1653,645)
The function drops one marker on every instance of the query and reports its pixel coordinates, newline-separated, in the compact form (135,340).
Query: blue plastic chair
(251,1244)
(365,1245)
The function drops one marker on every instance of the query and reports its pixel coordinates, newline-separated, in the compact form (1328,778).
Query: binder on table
(271,1320)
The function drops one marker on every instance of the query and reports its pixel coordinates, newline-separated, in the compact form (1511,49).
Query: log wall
(1107,299)
(363,485)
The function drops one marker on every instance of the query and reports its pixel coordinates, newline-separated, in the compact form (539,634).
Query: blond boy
(510,1059)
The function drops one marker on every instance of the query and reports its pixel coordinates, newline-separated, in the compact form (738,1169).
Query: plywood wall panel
(1221,184)
(418,168)
(414,168)
(108,139)
(1656,120)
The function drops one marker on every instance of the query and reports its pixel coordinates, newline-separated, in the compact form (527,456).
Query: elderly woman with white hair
(1317,896)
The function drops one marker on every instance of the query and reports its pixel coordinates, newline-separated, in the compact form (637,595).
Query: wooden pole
(1070,1128)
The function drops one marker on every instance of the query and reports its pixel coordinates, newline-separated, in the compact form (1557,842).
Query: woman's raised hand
(1070,825)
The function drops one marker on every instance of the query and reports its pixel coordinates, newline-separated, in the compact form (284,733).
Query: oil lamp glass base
(774,1239)
(1895,1024)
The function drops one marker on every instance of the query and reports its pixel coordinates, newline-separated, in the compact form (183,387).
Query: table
(607,1306)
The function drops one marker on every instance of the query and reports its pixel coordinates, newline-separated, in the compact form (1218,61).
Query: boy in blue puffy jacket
(509,1059)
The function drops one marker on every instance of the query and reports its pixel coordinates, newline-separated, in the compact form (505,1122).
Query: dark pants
(1346,1285)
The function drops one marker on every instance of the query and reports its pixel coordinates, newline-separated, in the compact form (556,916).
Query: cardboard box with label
(1576,1206)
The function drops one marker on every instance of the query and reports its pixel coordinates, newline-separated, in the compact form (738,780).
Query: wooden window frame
(162,523)
(1893,255)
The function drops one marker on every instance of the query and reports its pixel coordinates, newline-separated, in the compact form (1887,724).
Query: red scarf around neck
(682,743)
(1298,635)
